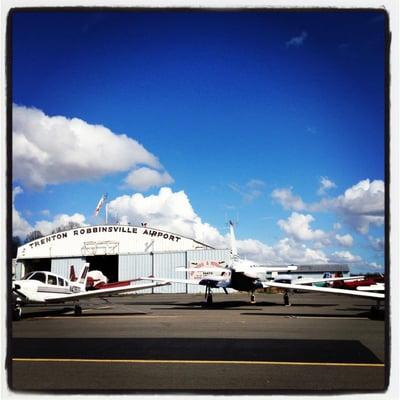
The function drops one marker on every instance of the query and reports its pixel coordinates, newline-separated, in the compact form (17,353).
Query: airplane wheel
(253,299)
(209,299)
(17,314)
(286,299)
(78,310)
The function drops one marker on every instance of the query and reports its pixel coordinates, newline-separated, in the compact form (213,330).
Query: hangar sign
(206,268)
(130,239)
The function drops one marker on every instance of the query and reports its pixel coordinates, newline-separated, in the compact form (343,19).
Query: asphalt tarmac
(163,343)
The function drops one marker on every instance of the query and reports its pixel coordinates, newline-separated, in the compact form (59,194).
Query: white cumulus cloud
(144,178)
(55,149)
(377,244)
(172,211)
(362,205)
(290,251)
(325,184)
(21,227)
(288,200)
(344,257)
(297,226)
(46,227)
(345,240)
(166,210)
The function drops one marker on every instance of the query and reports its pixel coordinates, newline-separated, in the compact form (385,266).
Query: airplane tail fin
(234,252)
(83,275)
(72,276)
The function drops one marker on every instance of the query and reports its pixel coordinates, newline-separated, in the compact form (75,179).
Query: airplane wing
(105,292)
(306,281)
(202,269)
(261,269)
(214,281)
(376,287)
(324,290)
(189,281)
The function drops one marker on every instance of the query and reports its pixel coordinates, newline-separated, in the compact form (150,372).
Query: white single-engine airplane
(244,275)
(44,287)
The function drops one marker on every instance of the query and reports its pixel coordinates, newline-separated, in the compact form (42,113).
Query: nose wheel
(208,296)
(17,314)
(77,310)
(252,298)
(286,301)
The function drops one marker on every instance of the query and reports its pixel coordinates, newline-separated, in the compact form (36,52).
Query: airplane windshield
(38,276)
(28,275)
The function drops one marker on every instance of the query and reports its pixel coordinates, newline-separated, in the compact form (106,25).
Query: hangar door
(38,264)
(108,265)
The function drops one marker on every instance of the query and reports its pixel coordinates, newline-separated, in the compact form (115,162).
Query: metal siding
(165,265)
(19,270)
(135,266)
(61,266)
(203,255)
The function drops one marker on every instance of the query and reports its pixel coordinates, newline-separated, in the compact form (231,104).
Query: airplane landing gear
(376,310)
(252,298)
(209,296)
(78,310)
(17,313)
(286,298)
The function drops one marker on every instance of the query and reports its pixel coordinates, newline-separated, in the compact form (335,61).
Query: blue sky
(274,119)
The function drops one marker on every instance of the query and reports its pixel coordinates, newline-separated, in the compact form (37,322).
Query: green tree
(33,236)
(67,227)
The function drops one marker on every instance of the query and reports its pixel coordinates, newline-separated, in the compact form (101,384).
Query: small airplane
(244,275)
(44,287)
(367,280)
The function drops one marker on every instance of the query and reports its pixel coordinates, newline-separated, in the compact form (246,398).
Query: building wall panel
(19,270)
(135,266)
(165,265)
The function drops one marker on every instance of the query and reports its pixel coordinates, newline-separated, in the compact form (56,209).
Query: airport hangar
(127,252)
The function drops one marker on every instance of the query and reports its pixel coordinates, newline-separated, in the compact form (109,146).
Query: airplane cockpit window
(39,276)
(51,280)
(27,276)
(61,282)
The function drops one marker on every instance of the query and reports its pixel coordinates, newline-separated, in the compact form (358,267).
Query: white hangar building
(120,252)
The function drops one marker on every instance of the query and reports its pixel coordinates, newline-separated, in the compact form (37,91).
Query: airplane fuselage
(41,287)
(244,283)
